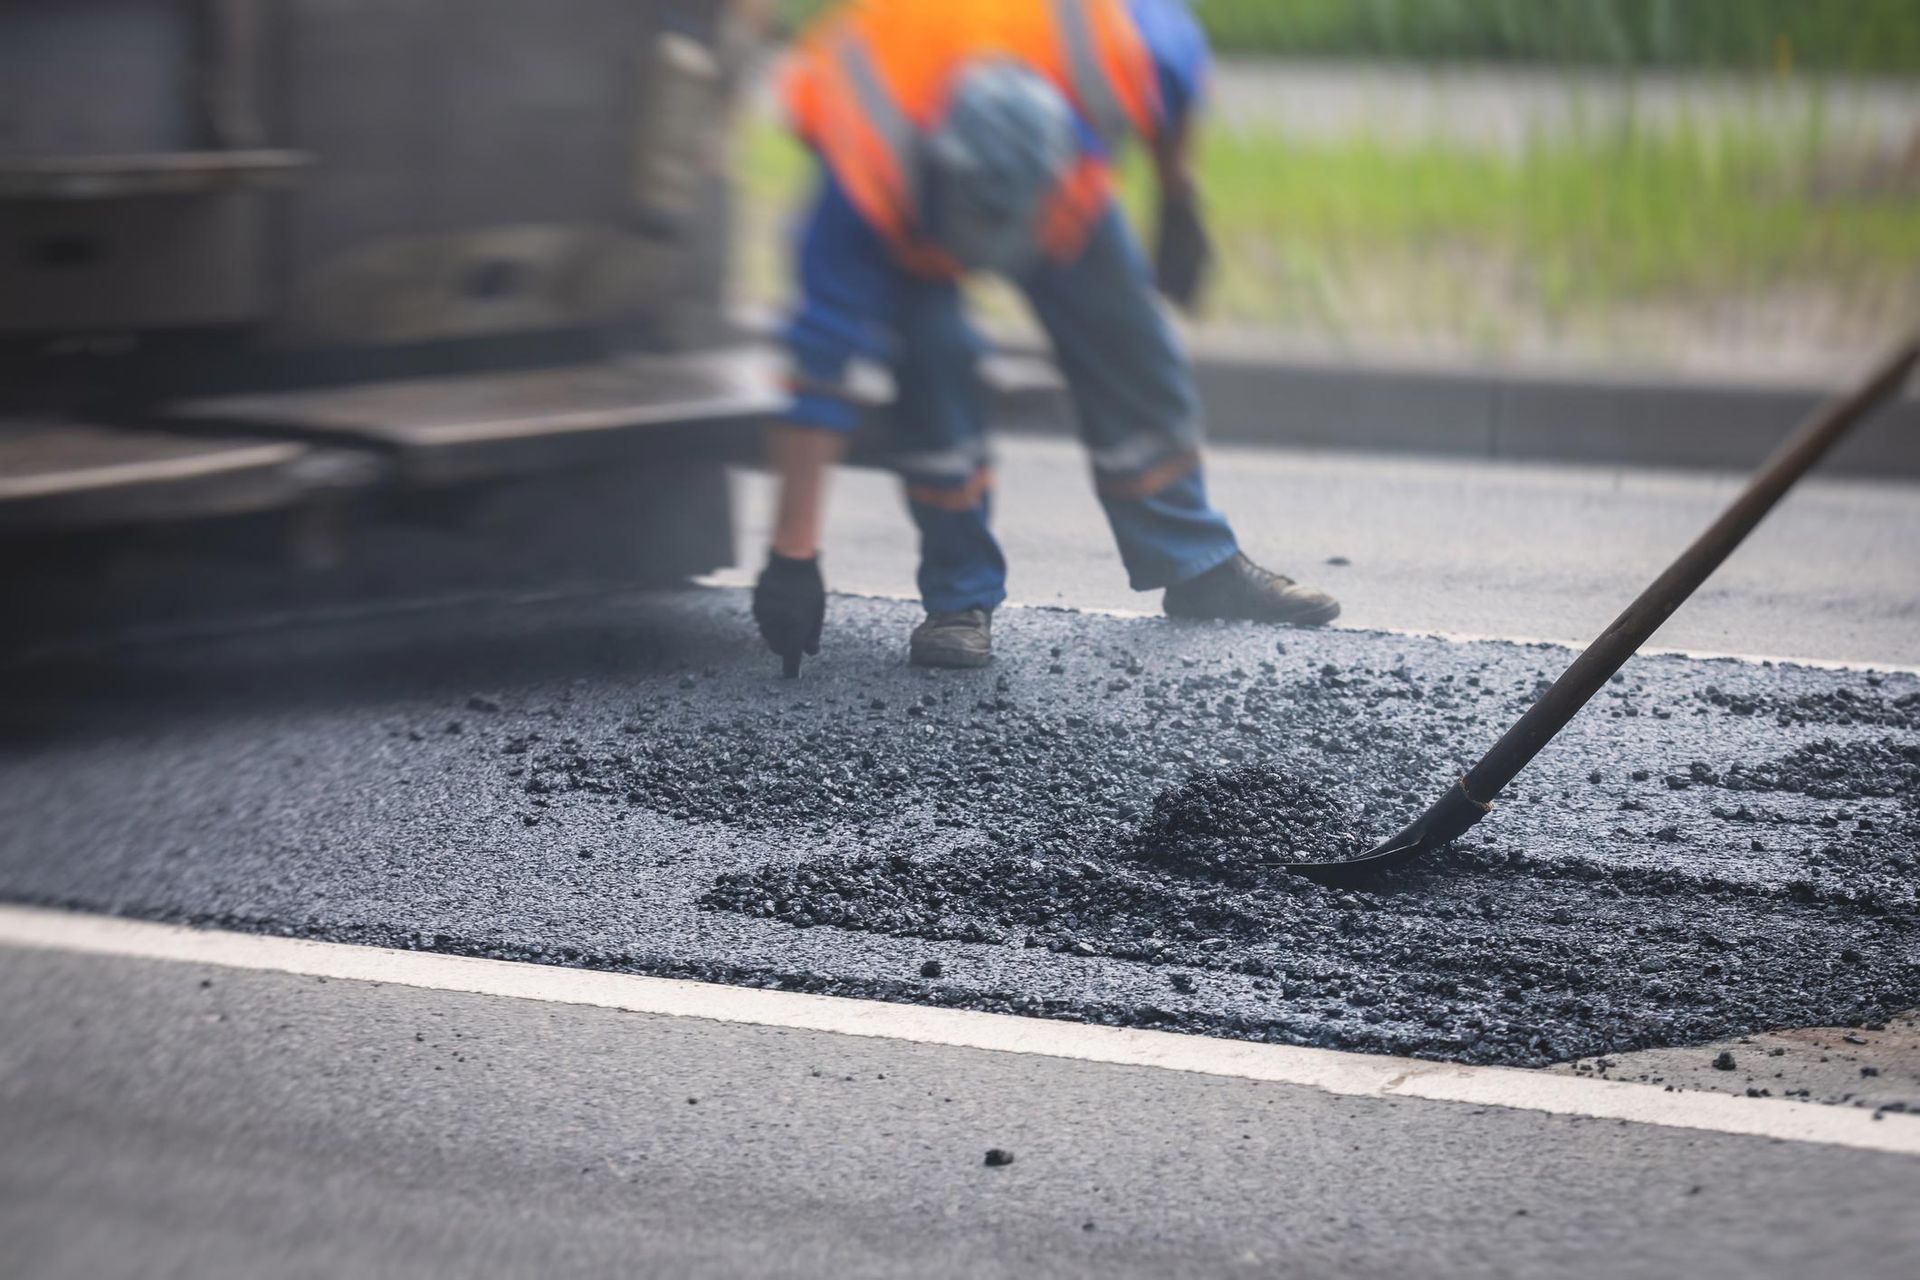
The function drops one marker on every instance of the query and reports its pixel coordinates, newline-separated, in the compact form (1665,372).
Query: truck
(314,301)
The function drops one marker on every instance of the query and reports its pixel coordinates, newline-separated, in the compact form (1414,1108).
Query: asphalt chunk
(1837,770)
(1249,818)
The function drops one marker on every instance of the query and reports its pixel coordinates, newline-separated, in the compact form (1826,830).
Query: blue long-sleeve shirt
(847,280)
(1178,48)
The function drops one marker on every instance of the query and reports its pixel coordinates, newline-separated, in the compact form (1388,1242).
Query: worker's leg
(940,435)
(1138,410)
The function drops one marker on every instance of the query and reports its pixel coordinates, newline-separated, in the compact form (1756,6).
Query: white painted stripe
(1349,1074)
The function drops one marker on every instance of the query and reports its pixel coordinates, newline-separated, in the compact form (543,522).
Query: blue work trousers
(1134,399)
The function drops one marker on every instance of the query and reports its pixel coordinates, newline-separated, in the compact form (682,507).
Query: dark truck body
(322,297)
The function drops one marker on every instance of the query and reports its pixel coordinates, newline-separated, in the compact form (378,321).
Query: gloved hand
(790,604)
(1183,251)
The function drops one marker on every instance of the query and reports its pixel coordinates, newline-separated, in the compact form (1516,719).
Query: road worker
(956,137)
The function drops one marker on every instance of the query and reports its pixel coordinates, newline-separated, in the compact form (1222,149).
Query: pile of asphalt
(1246,819)
(1488,953)
(1087,830)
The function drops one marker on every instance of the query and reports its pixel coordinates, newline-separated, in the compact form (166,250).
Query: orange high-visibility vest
(868,78)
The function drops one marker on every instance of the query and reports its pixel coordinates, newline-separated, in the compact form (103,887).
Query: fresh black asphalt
(1713,848)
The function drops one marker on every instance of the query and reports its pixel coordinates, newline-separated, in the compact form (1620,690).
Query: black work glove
(790,604)
(1183,252)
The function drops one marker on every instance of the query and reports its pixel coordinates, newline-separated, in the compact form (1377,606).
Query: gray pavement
(1503,108)
(375,780)
(1472,548)
(172,1120)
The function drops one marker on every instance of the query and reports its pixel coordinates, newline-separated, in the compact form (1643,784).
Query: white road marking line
(735,579)
(1349,1074)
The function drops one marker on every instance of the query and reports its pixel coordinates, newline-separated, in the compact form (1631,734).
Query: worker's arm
(1172,155)
(1183,251)
(846,285)
(790,599)
(800,458)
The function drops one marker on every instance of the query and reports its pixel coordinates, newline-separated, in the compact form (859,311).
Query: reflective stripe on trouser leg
(965,496)
(944,473)
(1143,481)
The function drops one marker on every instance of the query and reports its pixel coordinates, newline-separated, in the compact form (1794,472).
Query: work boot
(1239,588)
(963,639)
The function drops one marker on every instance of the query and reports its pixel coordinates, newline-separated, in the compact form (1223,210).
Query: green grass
(1421,240)
(1573,223)
(1854,35)
(1838,35)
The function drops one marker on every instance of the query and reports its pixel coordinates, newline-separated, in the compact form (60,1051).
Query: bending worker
(961,136)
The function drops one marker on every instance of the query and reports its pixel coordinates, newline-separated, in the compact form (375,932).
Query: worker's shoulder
(1169,28)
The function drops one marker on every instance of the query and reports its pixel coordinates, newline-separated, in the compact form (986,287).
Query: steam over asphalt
(1081,831)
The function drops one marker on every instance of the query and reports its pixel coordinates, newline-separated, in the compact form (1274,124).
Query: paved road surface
(627,783)
(1504,107)
(307,781)
(178,1120)
(1469,548)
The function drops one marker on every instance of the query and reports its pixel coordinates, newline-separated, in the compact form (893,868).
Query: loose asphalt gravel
(1083,830)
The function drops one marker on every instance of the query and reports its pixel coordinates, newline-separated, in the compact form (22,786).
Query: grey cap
(1006,141)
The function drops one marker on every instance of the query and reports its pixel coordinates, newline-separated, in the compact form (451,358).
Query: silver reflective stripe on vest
(1105,112)
(902,139)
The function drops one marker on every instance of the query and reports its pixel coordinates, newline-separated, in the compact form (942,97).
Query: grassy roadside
(1622,243)
(1881,36)
(1565,230)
